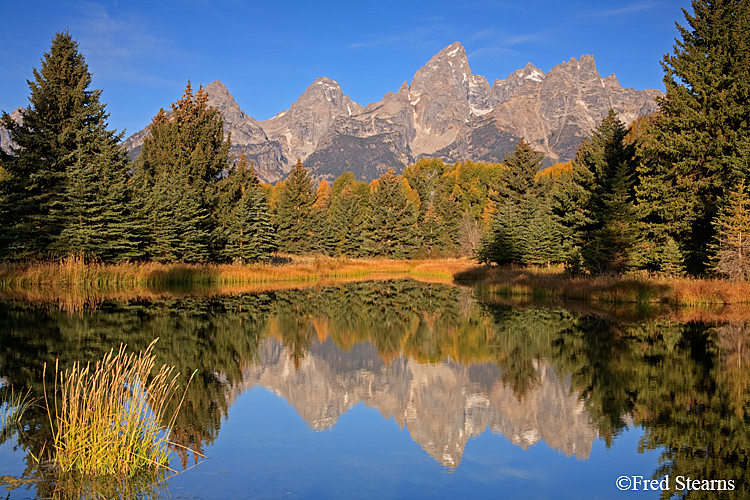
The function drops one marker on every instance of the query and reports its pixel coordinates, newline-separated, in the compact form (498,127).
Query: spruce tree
(97,216)
(595,203)
(251,237)
(293,216)
(188,141)
(179,166)
(346,215)
(63,185)
(391,227)
(542,240)
(518,177)
(448,212)
(347,219)
(424,176)
(244,231)
(696,152)
(505,242)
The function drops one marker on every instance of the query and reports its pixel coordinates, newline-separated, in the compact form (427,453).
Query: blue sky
(142,53)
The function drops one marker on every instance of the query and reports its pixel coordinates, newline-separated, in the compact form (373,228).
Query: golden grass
(112,420)
(74,273)
(553,283)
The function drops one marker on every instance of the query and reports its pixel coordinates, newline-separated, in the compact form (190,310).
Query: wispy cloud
(381,41)
(502,43)
(119,46)
(490,33)
(622,11)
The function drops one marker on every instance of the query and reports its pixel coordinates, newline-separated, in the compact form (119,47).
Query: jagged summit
(6,143)
(446,111)
(300,128)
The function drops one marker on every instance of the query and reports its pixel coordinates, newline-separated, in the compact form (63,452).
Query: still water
(403,389)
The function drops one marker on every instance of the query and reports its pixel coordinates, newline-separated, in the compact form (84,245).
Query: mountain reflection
(442,404)
(440,363)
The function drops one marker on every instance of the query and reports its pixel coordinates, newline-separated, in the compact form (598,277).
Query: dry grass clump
(111,420)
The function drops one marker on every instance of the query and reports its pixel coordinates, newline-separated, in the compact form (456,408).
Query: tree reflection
(686,384)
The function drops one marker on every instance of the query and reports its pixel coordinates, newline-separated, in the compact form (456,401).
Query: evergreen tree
(346,215)
(177,223)
(188,142)
(697,150)
(322,240)
(594,204)
(97,215)
(518,176)
(506,241)
(63,186)
(251,235)
(181,161)
(294,212)
(245,230)
(449,215)
(391,227)
(347,219)
(542,240)
(424,176)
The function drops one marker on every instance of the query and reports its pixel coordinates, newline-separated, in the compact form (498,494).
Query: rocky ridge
(450,113)
(446,112)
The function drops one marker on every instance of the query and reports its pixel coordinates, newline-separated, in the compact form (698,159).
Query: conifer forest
(666,195)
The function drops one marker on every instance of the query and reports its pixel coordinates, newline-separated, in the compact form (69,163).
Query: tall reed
(111,420)
(13,405)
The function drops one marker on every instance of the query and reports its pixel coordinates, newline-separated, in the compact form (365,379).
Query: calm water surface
(406,390)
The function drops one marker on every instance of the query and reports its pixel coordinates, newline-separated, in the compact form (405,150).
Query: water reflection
(442,404)
(441,364)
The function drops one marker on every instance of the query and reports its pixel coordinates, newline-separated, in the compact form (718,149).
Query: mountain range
(446,112)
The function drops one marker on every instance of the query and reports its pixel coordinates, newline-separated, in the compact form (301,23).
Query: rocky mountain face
(552,111)
(446,112)
(5,140)
(442,405)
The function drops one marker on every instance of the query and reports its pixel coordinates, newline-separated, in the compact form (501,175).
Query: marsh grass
(75,273)
(111,419)
(13,405)
(553,283)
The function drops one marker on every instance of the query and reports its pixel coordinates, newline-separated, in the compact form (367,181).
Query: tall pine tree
(63,188)
(594,204)
(245,232)
(508,235)
(294,215)
(696,151)
(391,227)
(177,172)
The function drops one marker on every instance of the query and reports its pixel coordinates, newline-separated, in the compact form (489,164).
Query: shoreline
(553,284)
(72,275)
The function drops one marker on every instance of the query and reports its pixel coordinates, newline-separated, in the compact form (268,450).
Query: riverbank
(553,284)
(73,272)
(73,276)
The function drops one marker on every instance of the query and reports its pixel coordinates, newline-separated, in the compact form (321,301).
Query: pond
(403,389)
